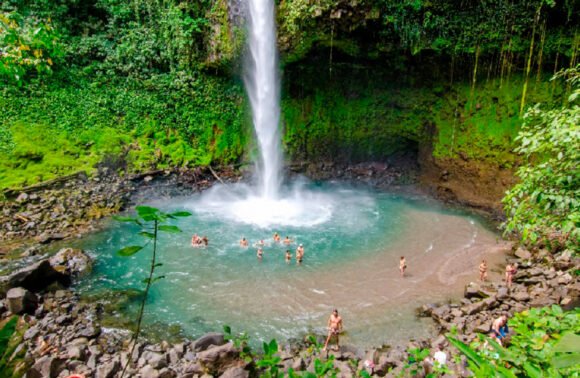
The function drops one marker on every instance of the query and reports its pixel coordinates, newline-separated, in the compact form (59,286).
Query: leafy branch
(151,220)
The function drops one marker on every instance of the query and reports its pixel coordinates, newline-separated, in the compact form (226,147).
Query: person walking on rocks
(483,270)
(334,328)
(510,272)
(402,266)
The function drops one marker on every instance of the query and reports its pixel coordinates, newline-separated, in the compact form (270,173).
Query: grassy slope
(61,129)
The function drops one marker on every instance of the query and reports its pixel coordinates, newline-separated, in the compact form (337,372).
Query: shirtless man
(299,254)
(288,256)
(402,266)
(260,254)
(334,328)
(287,241)
(195,240)
(510,272)
(243,242)
(483,270)
(499,329)
(276,237)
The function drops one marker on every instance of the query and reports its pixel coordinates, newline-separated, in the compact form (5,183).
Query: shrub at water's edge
(544,207)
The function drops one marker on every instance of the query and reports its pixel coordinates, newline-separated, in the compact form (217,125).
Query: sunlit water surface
(353,239)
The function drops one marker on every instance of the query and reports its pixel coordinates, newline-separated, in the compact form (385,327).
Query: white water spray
(263,86)
(269,205)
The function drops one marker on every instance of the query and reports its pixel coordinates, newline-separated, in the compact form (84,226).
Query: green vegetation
(141,84)
(545,205)
(152,221)
(545,344)
(12,361)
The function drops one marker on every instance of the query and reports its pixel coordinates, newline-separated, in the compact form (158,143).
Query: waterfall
(262,81)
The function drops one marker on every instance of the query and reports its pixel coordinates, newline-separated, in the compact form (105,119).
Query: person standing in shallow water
(299,254)
(288,256)
(334,329)
(402,266)
(260,254)
(483,270)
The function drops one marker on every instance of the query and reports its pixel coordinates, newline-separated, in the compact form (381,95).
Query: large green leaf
(532,370)
(565,360)
(146,210)
(172,229)
(467,351)
(568,343)
(181,214)
(6,333)
(130,250)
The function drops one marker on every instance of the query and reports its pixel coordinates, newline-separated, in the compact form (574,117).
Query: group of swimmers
(277,239)
(197,241)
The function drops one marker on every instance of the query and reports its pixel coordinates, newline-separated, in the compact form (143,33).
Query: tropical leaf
(147,234)
(181,214)
(130,250)
(467,351)
(171,229)
(568,343)
(146,210)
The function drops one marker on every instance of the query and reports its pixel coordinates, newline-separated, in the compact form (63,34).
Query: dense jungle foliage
(144,84)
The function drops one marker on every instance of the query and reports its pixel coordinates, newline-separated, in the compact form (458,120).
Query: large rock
(45,367)
(204,342)
(70,261)
(218,359)
(35,277)
(21,301)
(235,372)
(523,254)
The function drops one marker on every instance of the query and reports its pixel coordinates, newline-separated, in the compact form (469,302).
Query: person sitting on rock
(499,329)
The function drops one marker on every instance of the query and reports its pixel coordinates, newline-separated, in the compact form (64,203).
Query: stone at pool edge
(205,341)
(60,268)
(21,301)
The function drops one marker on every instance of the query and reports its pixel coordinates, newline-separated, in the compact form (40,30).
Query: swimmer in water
(287,241)
(259,254)
(243,242)
(288,256)
(402,266)
(276,237)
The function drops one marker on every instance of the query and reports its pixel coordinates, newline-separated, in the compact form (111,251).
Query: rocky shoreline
(60,335)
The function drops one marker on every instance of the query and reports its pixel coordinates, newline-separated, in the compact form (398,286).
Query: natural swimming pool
(353,238)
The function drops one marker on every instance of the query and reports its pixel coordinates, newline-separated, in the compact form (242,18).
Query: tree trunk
(529,65)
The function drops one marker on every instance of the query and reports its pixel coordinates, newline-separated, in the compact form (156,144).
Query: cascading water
(263,87)
(270,203)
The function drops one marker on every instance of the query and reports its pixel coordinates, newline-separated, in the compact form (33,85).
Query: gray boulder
(35,277)
(217,360)
(204,342)
(21,301)
(235,372)
(45,367)
(72,262)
